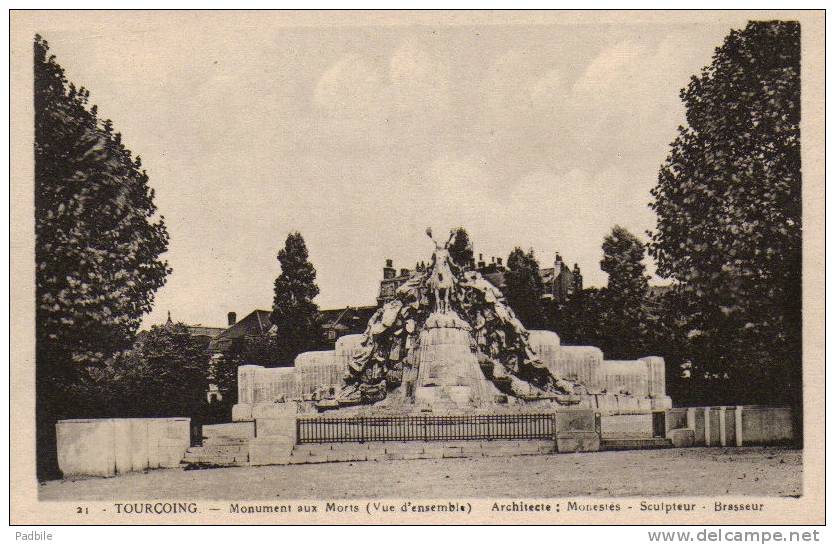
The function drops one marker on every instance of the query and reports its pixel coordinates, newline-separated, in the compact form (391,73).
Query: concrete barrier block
(169,457)
(140,446)
(85,447)
(130,444)
(682,437)
(109,446)
(578,441)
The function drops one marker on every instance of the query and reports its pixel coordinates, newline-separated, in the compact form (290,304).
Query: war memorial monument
(445,368)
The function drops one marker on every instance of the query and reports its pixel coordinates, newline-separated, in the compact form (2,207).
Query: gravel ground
(750,471)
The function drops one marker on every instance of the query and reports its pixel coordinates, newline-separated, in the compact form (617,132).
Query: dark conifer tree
(295,315)
(523,288)
(626,317)
(461,249)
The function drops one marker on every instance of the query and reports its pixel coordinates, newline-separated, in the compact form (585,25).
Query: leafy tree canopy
(728,202)
(97,242)
(164,375)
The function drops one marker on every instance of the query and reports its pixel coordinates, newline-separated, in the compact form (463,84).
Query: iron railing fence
(424,428)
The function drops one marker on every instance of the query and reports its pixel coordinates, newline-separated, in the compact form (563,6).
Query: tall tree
(523,287)
(97,243)
(295,315)
(569,316)
(626,315)
(728,201)
(461,249)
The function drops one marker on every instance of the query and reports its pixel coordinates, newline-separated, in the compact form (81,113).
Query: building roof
(347,318)
(256,322)
(198,330)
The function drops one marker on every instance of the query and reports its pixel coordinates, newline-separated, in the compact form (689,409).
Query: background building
(558,280)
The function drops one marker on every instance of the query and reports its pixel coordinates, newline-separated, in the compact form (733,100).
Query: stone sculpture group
(463,299)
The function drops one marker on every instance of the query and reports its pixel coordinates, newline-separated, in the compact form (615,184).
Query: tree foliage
(728,202)
(523,287)
(295,315)
(164,375)
(461,249)
(98,243)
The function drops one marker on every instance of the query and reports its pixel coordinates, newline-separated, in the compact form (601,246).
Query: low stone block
(631,425)
(266,451)
(578,441)
(682,437)
(574,420)
(276,427)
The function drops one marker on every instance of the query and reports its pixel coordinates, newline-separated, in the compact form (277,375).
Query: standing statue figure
(441,280)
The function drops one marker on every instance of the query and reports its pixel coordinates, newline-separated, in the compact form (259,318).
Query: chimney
(481,261)
(557,263)
(231,318)
(404,272)
(388,270)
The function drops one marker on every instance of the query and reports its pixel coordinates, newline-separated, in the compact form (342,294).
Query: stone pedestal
(448,373)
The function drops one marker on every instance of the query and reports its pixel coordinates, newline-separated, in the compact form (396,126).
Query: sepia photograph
(413,267)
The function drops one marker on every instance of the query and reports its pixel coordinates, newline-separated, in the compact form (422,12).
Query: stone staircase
(234,451)
(218,451)
(415,450)
(633,442)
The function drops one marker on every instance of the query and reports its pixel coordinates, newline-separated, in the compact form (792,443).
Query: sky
(541,136)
